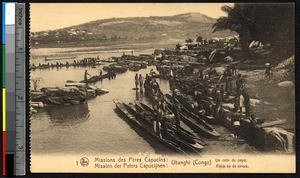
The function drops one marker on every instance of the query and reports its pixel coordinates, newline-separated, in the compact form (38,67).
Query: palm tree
(237,20)
(267,23)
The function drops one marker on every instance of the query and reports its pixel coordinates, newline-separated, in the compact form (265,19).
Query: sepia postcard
(162,88)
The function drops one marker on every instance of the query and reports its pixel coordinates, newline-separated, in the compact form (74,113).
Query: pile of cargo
(73,93)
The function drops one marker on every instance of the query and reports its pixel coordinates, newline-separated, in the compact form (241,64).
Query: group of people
(209,93)
(57,64)
(164,117)
(151,84)
(84,61)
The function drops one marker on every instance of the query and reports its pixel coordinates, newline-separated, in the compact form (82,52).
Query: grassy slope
(141,30)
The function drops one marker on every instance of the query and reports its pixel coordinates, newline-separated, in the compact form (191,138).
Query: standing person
(237,71)
(228,71)
(268,70)
(161,96)
(218,112)
(239,83)
(164,126)
(100,72)
(155,87)
(86,74)
(233,67)
(236,124)
(222,91)
(241,100)
(136,78)
(147,80)
(162,108)
(177,117)
(246,103)
(157,125)
(201,74)
(171,73)
(228,85)
(217,95)
(199,98)
(152,72)
(210,73)
(141,81)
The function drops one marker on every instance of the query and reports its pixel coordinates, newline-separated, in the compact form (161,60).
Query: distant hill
(182,26)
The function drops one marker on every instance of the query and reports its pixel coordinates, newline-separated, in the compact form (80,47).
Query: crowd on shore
(208,93)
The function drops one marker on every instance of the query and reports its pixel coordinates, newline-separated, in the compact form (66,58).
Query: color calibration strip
(8,89)
(13,88)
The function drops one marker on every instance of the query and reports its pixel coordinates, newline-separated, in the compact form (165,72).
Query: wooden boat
(95,78)
(147,128)
(193,121)
(149,94)
(189,145)
(160,76)
(189,108)
(202,118)
(116,68)
(198,125)
(59,58)
(181,131)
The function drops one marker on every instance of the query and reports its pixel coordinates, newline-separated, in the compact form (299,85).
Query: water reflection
(68,115)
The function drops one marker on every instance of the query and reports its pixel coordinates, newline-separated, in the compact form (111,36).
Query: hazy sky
(51,16)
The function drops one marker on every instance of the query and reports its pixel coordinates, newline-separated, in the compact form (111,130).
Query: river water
(38,55)
(93,127)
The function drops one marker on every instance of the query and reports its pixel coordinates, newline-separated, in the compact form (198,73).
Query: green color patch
(3,66)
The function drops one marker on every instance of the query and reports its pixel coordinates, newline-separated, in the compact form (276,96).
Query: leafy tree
(269,23)
(235,21)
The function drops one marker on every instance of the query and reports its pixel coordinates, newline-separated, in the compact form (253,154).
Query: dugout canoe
(95,78)
(189,108)
(193,121)
(125,110)
(188,145)
(59,58)
(180,131)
